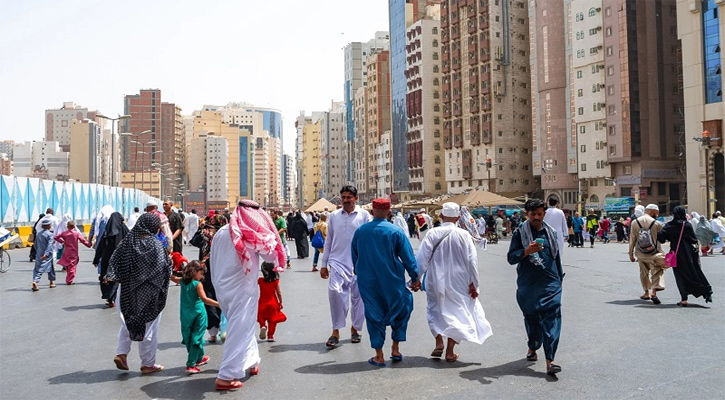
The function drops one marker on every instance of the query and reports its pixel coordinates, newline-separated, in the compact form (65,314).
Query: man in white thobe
(237,292)
(400,221)
(133,218)
(557,220)
(449,261)
(717,226)
(337,265)
(191,225)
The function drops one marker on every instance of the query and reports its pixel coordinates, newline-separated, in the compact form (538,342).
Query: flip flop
(372,361)
(436,353)
(553,370)
(643,297)
(254,371)
(232,386)
(454,359)
(681,304)
(531,356)
(151,370)
(355,338)
(399,357)
(121,363)
(655,300)
(332,342)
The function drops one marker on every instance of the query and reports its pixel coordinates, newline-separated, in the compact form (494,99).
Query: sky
(283,54)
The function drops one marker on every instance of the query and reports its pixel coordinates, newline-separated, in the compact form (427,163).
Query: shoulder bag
(671,257)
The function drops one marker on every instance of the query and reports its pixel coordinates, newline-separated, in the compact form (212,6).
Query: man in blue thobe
(381,254)
(535,249)
(44,259)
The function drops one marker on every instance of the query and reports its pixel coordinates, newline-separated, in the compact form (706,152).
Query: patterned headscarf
(466,222)
(252,228)
(143,269)
(213,223)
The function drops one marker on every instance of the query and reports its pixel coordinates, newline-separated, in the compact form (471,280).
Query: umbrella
(480,198)
(320,206)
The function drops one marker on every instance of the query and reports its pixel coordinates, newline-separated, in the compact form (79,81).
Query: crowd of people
(365,256)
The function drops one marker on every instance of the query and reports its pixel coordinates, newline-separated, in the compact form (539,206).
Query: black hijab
(679,214)
(115,226)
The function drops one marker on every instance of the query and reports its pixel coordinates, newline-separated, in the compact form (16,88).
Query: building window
(609,31)
(592,12)
(578,74)
(711,52)
(583,167)
(580,111)
(583,148)
(628,170)
(582,129)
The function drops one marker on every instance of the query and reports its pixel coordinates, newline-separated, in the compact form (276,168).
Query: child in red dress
(270,303)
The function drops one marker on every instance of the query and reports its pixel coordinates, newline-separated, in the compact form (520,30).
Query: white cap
(639,211)
(45,221)
(451,210)
(422,210)
(152,203)
(652,207)
(718,213)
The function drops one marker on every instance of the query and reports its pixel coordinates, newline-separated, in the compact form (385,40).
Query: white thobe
(191,225)
(337,257)
(400,221)
(132,220)
(448,274)
(147,347)
(718,227)
(237,292)
(557,220)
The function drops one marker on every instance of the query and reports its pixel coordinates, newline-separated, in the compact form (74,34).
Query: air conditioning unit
(600,8)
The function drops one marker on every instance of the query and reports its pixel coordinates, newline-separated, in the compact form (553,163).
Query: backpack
(645,242)
(318,241)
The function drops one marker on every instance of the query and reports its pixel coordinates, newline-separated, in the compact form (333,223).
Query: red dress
(268,304)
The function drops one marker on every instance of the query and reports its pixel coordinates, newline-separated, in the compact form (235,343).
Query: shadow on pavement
(171,345)
(333,368)
(89,378)
(86,307)
(515,368)
(632,302)
(317,347)
(689,305)
(181,387)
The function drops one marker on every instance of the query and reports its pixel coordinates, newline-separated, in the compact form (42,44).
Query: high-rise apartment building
(289,179)
(361,169)
(89,153)
(6,147)
(300,123)
(333,149)
(45,160)
(424,104)
(356,54)
(615,115)
(310,178)
(700,29)
(58,122)
(486,95)
(377,118)
(157,139)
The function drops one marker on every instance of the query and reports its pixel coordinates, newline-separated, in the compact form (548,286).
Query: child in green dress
(193,314)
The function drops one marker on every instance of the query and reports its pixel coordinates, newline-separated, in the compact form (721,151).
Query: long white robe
(448,274)
(718,227)
(238,296)
(191,225)
(400,221)
(557,220)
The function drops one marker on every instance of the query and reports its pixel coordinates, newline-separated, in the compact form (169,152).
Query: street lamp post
(706,139)
(113,144)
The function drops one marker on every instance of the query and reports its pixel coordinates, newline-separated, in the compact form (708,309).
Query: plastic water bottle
(536,258)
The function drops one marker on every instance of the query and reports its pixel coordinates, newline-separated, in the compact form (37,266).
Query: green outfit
(280,223)
(193,322)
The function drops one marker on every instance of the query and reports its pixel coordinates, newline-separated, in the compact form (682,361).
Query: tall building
(700,29)
(384,168)
(425,122)
(45,160)
(58,122)
(89,152)
(310,178)
(377,118)
(333,149)
(6,164)
(6,147)
(360,156)
(356,54)
(156,140)
(300,123)
(289,179)
(612,108)
(486,94)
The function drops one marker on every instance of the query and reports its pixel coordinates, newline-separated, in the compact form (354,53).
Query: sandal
(436,353)
(120,361)
(151,370)
(35,287)
(234,385)
(52,285)
(531,356)
(643,297)
(553,370)
(332,342)
(681,304)
(355,338)
(454,359)
(655,300)
(254,370)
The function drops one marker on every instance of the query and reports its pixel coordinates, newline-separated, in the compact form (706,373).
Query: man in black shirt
(176,226)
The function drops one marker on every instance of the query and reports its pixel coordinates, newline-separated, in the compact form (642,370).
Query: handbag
(31,238)
(198,240)
(671,257)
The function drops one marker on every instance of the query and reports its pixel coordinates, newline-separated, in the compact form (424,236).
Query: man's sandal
(332,342)
(121,362)
(151,370)
(436,353)
(234,385)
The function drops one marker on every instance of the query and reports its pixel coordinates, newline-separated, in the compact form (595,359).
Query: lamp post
(488,165)
(143,151)
(706,139)
(113,144)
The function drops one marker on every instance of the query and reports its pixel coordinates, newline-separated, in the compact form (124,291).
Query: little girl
(193,314)
(69,239)
(270,303)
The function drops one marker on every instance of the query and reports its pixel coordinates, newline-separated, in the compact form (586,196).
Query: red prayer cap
(381,204)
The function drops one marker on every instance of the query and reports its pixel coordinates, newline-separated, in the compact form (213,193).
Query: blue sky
(283,54)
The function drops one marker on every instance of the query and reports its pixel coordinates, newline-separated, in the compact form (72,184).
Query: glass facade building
(244,173)
(711,51)
(399,88)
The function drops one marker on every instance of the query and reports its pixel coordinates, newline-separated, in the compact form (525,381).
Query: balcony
(473,57)
(475,108)
(483,7)
(446,111)
(457,110)
(455,32)
(483,22)
(472,26)
(486,137)
(447,137)
(472,3)
(454,17)
(445,36)
(467,164)
(486,103)
(444,21)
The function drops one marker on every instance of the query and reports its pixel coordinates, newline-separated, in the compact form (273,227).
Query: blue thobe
(538,293)
(44,243)
(381,253)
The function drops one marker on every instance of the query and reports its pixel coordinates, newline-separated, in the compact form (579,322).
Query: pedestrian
(412,226)
(592,226)
(34,233)
(142,269)
(165,234)
(338,267)
(290,217)
(619,229)
(269,312)
(133,218)
(69,239)
(176,225)
(235,254)
(299,232)
(643,244)
(382,254)
(534,249)
(208,231)
(98,224)
(44,246)
(400,221)
(281,225)
(605,225)
(191,225)
(500,229)
(718,227)
(425,222)
(703,231)
(321,227)
(114,232)
(193,314)
(60,228)
(578,226)
(448,260)
(688,272)
(556,219)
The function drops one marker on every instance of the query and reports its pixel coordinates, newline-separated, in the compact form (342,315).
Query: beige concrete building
(300,123)
(701,29)
(310,181)
(424,110)
(377,118)
(6,164)
(89,152)
(486,96)
(148,181)
(383,176)
(361,169)
(45,160)
(333,149)
(58,122)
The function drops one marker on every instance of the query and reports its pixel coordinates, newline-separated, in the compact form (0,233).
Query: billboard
(618,204)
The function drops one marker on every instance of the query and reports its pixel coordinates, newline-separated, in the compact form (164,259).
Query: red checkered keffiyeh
(252,228)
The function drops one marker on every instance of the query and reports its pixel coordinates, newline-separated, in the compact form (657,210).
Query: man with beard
(176,225)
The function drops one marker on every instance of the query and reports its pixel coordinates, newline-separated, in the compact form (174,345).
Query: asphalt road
(59,343)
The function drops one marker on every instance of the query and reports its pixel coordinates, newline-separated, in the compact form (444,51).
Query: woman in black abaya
(298,231)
